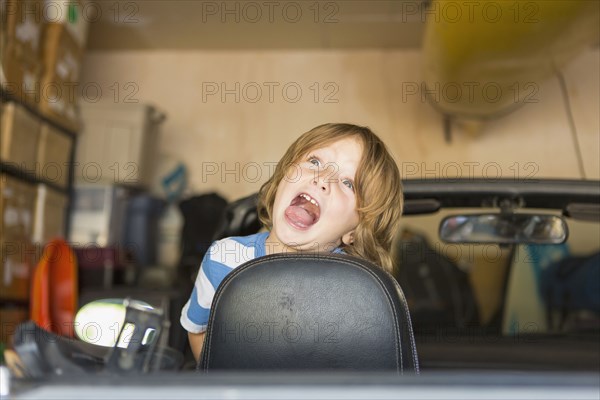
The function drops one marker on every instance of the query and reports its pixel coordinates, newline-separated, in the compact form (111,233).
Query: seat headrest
(309,311)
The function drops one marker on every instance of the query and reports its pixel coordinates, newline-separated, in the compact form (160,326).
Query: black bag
(439,294)
(201,218)
(240,218)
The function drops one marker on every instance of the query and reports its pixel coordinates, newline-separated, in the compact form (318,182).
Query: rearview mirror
(504,229)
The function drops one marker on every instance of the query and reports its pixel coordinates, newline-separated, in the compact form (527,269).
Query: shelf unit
(29,177)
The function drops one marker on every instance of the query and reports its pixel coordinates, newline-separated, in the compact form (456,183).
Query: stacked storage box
(17,252)
(20,136)
(17,204)
(42,45)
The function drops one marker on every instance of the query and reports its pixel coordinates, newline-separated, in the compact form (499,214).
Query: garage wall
(231,115)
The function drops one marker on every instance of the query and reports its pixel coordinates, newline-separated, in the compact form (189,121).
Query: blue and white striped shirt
(222,257)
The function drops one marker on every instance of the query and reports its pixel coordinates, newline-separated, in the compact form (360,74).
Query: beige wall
(248,136)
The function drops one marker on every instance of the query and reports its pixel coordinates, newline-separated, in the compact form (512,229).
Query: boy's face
(315,204)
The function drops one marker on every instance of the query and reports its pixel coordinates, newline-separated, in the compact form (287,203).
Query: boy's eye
(349,184)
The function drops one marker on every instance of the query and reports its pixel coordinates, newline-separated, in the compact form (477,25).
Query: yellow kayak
(485,58)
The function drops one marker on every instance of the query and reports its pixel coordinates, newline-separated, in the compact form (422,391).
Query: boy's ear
(348,238)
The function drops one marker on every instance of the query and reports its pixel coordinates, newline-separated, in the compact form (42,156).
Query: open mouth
(303,212)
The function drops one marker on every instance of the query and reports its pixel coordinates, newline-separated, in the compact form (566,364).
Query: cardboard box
(61,60)
(17,205)
(54,155)
(50,215)
(19,75)
(22,22)
(58,102)
(20,38)
(19,135)
(61,55)
(18,258)
(17,253)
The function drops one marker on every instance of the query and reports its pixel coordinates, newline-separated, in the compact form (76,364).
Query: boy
(336,189)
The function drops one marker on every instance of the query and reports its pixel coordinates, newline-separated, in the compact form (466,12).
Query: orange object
(54,294)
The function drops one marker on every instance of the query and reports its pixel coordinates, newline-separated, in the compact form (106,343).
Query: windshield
(517,306)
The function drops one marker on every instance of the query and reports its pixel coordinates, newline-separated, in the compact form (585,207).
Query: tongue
(299,216)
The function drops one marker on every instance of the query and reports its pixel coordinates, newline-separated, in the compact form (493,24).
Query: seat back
(240,218)
(311,312)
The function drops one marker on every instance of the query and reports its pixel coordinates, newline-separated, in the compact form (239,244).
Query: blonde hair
(378,189)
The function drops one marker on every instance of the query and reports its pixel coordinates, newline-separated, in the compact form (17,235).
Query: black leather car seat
(309,312)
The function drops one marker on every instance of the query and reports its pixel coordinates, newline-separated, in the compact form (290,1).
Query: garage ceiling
(262,24)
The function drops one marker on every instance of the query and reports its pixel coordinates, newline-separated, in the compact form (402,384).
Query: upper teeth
(307,197)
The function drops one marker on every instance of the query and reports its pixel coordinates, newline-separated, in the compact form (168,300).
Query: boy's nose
(322,182)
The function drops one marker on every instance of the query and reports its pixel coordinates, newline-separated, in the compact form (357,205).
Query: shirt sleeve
(195,313)
(221,258)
